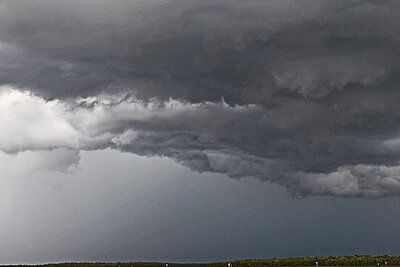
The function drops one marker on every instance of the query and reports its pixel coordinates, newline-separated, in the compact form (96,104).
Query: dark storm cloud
(310,88)
(199,50)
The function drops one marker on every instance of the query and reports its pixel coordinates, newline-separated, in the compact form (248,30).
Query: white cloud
(29,122)
(26,162)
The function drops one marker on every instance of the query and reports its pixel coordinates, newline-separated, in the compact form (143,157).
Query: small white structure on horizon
(316,263)
(229,265)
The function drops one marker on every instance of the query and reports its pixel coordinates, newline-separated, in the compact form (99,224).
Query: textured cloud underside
(206,137)
(300,93)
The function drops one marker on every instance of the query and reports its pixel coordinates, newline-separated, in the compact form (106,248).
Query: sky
(198,130)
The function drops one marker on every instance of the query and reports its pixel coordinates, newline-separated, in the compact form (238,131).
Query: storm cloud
(304,94)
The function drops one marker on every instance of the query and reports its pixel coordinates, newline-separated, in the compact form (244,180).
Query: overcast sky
(198,130)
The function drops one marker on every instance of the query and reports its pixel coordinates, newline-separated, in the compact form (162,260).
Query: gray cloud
(359,181)
(199,50)
(301,93)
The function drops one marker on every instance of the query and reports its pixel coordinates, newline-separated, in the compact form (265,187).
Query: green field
(357,260)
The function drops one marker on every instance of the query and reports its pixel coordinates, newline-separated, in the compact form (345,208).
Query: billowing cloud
(358,181)
(303,94)
(29,122)
(208,136)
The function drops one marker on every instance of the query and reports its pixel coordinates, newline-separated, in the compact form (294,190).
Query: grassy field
(357,260)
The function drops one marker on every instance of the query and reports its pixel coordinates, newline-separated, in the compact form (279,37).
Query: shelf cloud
(304,94)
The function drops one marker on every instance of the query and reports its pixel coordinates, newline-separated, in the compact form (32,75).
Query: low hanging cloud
(206,137)
(29,161)
(29,122)
(300,93)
